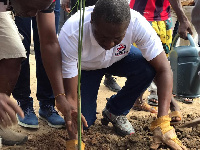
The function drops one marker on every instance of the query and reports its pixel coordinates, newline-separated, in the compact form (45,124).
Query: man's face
(29,8)
(108,35)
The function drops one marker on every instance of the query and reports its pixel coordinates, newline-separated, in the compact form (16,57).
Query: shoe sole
(12,143)
(51,125)
(27,125)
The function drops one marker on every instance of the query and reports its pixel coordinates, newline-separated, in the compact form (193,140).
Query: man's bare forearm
(50,51)
(177,7)
(164,85)
(164,82)
(51,58)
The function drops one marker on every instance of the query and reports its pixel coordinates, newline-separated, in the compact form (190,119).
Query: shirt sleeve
(50,9)
(69,52)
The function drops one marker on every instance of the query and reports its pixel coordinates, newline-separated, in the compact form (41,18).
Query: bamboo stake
(81,22)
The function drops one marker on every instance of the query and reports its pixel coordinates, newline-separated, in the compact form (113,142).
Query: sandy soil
(100,137)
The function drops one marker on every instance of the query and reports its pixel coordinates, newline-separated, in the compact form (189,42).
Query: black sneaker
(110,82)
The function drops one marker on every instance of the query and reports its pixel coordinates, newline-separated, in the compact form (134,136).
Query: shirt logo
(121,50)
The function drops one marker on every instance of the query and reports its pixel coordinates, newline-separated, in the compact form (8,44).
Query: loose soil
(100,137)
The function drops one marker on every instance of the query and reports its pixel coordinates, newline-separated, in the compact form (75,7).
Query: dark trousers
(134,67)
(22,89)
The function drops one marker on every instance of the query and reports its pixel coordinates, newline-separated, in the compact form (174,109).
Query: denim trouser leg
(44,90)
(57,14)
(22,90)
(90,82)
(139,74)
(63,18)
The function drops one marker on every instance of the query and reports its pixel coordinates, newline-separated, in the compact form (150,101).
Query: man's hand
(184,28)
(69,110)
(65,4)
(185,25)
(164,133)
(8,110)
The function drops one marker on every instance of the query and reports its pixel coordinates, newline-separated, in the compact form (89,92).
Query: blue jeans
(57,14)
(134,67)
(63,18)
(22,89)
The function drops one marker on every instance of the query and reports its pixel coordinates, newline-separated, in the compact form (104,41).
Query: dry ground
(103,137)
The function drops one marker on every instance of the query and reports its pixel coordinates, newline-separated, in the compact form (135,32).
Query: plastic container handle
(190,38)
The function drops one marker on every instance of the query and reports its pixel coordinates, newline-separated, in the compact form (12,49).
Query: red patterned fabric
(152,10)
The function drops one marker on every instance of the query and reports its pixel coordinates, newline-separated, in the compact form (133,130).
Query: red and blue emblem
(121,50)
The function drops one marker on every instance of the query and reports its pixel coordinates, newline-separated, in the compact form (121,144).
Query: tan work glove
(73,145)
(164,133)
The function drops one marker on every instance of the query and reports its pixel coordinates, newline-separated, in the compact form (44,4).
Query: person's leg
(10,69)
(90,82)
(138,77)
(141,105)
(8,79)
(175,30)
(139,74)
(57,14)
(22,89)
(63,17)
(44,94)
(44,90)
(11,54)
(175,114)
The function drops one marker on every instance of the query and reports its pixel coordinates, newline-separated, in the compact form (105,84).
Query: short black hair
(112,11)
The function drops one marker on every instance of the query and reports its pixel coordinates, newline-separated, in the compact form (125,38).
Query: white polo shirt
(93,55)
